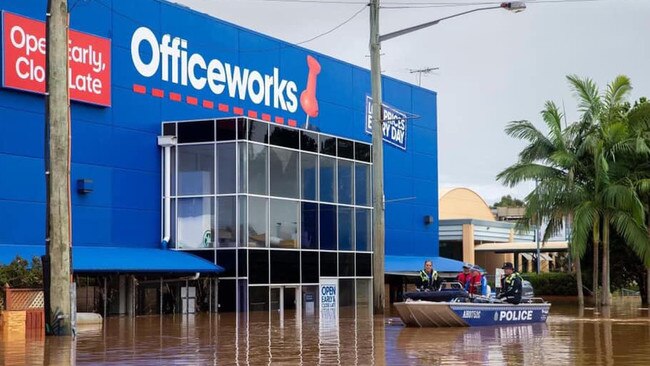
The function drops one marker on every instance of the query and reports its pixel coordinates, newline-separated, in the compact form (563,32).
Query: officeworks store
(213,168)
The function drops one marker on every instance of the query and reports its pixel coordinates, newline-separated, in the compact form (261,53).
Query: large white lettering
(515,315)
(174,63)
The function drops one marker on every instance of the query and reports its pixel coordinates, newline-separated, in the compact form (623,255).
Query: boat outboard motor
(527,290)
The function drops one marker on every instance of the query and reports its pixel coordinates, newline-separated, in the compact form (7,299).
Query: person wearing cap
(465,275)
(428,279)
(477,284)
(511,285)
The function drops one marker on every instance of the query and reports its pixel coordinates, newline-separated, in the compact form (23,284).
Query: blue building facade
(135,65)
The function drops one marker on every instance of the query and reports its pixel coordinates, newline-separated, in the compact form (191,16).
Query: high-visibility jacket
(428,281)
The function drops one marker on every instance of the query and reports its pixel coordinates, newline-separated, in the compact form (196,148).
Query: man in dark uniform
(428,279)
(511,285)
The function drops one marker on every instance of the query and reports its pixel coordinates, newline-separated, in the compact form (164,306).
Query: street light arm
(414,28)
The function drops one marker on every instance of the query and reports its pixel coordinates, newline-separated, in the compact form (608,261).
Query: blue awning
(119,259)
(411,265)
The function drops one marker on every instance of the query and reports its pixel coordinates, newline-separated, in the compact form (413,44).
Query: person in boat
(464,277)
(428,279)
(511,285)
(477,284)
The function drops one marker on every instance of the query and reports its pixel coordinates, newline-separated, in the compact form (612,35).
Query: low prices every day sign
(394,127)
(23,50)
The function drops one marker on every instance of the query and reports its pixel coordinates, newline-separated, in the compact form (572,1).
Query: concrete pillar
(468,243)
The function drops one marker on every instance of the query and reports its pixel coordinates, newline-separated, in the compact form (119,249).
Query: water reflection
(571,336)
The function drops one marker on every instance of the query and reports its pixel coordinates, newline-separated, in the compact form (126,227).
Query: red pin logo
(308,100)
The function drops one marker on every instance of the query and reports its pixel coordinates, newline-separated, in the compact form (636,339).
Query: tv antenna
(420,72)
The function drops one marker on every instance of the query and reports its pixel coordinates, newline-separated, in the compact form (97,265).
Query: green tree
(509,201)
(552,161)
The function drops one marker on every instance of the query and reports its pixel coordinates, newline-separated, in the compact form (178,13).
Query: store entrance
(284,309)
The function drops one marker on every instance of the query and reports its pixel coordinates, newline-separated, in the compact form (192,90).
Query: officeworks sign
(171,59)
(23,51)
(394,126)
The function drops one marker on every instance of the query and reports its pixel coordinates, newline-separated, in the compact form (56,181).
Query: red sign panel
(23,49)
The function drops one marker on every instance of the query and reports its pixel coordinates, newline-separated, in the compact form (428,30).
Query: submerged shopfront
(269,163)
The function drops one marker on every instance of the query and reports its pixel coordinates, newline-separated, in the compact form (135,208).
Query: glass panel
(226,129)
(258,298)
(195,169)
(310,301)
(226,216)
(362,229)
(242,128)
(226,172)
(328,227)
(227,295)
(243,220)
(364,298)
(328,145)
(285,266)
(328,266)
(275,299)
(195,223)
(309,225)
(309,175)
(257,222)
(284,172)
(362,152)
(243,167)
(346,230)
(362,181)
(258,261)
(345,181)
(257,169)
(243,296)
(173,240)
(242,262)
(283,230)
(169,129)
(308,141)
(310,267)
(346,297)
(346,264)
(258,131)
(174,172)
(364,265)
(345,149)
(327,179)
(282,136)
(199,131)
(228,260)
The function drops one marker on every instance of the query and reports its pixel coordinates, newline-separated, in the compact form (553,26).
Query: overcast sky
(495,66)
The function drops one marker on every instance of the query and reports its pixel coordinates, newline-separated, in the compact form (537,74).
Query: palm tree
(551,161)
(614,202)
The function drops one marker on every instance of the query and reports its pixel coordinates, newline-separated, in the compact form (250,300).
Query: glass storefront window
(345,181)
(257,169)
(346,230)
(257,222)
(258,298)
(226,168)
(195,223)
(284,172)
(362,229)
(309,175)
(226,216)
(195,169)
(243,227)
(283,227)
(362,184)
(327,179)
(328,227)
(309,225)
(243,167)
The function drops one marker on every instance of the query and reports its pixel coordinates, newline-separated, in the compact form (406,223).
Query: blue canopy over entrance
(119,259)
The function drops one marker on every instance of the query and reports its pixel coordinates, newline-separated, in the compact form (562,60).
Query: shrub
(22,274)
(552,283)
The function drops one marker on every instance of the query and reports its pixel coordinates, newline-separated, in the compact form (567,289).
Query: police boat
(454,307)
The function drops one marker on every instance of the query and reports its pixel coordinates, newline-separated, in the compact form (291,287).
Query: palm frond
(634,233)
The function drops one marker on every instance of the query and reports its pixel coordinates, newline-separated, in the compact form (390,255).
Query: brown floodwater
(570,337)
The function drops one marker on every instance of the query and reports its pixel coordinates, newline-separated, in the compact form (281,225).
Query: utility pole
(57,169)
(379,290)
